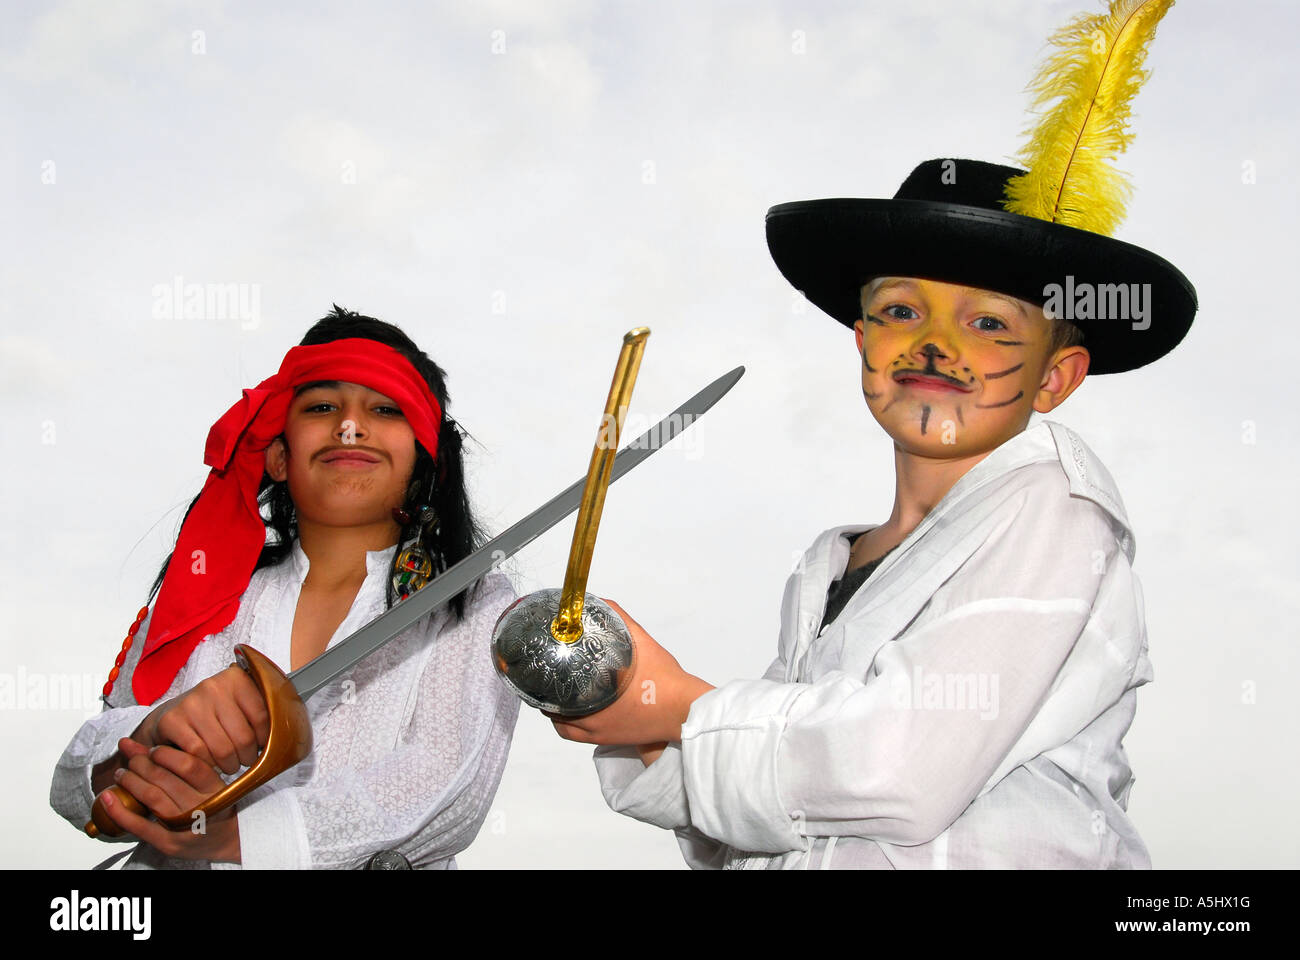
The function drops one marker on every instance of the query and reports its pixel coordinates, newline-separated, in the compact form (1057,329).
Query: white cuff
(729,752)
(652,794)
(71,794)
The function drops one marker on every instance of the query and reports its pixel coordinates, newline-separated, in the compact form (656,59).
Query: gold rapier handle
(567,625)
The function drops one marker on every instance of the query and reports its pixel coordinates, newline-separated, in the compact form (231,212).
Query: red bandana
(198,599)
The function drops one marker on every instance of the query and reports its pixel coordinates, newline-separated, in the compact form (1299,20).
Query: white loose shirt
(966,709)
(409,744)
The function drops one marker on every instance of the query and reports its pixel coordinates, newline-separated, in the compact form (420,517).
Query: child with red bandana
(351,453)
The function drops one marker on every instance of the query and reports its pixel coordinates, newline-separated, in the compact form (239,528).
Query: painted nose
(933,352)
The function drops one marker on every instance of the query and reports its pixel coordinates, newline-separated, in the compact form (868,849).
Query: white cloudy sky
(501,214)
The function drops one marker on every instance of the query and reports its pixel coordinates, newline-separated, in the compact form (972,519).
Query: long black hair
(440,483)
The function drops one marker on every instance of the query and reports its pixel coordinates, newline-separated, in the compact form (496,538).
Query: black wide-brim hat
(947,223)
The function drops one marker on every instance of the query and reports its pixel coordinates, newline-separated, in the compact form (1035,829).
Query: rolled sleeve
(656,794)
(652,794)
(71,794)
(730,745)
(662,794)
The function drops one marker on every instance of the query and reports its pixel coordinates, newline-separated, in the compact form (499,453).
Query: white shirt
(409,745)
(966,708)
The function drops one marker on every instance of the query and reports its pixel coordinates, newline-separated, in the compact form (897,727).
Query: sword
(290,739)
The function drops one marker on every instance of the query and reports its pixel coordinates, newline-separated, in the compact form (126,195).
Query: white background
(501,215)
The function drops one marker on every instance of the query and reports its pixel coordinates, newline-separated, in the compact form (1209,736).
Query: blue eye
(1000,324)
(899,306)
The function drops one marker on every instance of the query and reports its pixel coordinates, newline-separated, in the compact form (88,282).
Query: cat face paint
(947,370)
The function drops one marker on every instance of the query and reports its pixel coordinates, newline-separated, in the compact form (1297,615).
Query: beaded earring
(415,564)
(414,567)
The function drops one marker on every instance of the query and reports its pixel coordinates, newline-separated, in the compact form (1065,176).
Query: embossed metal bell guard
(571,679)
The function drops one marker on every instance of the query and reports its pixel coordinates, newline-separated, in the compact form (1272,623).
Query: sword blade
(345,654)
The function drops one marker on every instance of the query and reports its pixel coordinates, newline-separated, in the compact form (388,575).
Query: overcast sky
(516,185)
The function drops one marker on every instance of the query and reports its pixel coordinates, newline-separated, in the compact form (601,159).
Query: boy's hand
(169,782)
(222,721)
(651,709)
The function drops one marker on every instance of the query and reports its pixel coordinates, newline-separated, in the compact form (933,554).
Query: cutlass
(290,738)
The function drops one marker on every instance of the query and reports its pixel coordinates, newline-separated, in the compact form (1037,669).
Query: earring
(414,565)
(414,569)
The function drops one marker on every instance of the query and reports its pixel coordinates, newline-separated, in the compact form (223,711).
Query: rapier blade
(310,677)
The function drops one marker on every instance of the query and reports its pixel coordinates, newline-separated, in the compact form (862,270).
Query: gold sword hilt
(567,625)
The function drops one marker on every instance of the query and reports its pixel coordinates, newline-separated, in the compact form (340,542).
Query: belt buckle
(388,860)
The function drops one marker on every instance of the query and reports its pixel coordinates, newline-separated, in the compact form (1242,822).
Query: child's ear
(276,457)
(857,334)
(1062,378)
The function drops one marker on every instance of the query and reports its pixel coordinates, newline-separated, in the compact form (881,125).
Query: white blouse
(966,709)
(409,745)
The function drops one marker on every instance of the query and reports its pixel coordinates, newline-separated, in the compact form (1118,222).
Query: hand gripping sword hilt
(288,743)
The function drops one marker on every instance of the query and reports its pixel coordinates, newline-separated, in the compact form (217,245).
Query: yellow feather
(1093,79)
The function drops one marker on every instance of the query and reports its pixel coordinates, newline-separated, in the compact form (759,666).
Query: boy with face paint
(952,686)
